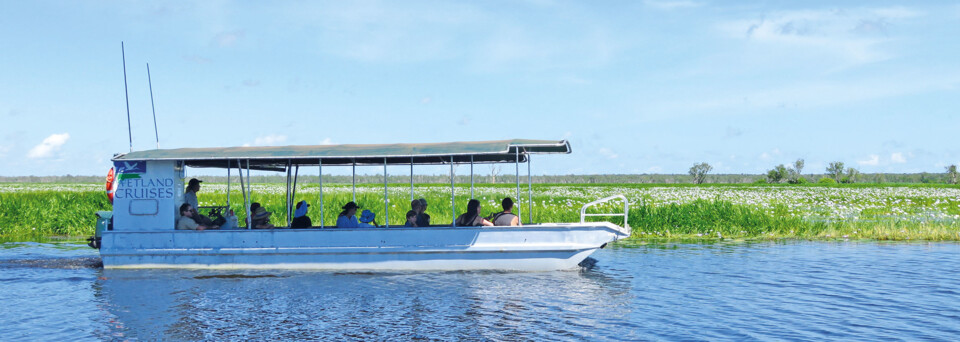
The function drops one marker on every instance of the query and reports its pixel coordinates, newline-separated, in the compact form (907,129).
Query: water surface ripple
(743,291)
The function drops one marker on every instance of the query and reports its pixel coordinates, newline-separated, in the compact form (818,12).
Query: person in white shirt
(190,197)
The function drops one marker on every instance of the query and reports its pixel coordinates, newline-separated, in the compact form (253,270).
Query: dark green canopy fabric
(274,157)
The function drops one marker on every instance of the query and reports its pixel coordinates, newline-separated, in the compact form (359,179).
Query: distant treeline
(906,178)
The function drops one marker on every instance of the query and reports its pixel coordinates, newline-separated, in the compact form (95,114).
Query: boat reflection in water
(296,305)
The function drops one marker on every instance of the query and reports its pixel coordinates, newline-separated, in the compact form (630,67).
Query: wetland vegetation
(658,212)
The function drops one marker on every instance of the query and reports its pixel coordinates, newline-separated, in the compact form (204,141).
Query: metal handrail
(626,209)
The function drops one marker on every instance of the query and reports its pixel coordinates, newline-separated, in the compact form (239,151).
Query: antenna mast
(126,94)
(157,134)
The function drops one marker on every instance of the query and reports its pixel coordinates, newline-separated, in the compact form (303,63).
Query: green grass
(658,212)
(38,214)
(719,220)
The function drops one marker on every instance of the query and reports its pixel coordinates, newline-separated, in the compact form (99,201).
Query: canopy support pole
(411,179)
(287,205)
(471,177)
(386,199)
(228,186)
(529,191)
(518,179)
(296,175)
(320,174)
(250,196)
(453,204)
(354,181)
(243,189)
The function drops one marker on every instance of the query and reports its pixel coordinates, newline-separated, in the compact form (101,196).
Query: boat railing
(220,209)
(626,209)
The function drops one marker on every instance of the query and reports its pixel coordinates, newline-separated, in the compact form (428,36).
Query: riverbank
(31,212)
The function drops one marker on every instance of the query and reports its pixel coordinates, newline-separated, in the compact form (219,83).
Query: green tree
(778,174)
(835,170)
(952,174)
(852,175)
(699,172)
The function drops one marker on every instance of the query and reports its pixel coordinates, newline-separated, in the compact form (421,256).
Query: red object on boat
(111,185)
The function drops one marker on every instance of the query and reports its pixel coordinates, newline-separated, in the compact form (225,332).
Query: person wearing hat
(348,217)
(190,197)
(261,219)
(300,218)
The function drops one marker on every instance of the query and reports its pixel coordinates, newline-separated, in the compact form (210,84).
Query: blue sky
(636,86)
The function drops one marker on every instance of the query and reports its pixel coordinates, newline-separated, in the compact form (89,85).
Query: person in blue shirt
(411,218)
(348,217)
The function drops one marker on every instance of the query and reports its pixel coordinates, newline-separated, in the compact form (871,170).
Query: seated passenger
(186,221)
(261,219)
(300,218)
(423,219)
(411,218)
(472,216)
(506,217)
(368,217)
(348,218)
(415,206)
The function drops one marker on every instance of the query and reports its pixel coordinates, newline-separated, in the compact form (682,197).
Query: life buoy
(111,185)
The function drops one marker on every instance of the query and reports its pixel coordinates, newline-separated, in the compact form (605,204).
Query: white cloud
(393,32)
(669,5)
(229,38)
(479,35)
(843,37)
(655,169)
(512,46)
(326,141)
(268,140)
(767,156)
(898,158)
(874,160)
(606,152)
(49,145)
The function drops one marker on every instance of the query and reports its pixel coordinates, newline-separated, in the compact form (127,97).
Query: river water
(725,291)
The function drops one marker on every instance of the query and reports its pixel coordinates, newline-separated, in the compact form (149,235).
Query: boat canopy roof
(277,157)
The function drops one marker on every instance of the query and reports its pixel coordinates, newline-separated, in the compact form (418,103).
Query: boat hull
(528,248)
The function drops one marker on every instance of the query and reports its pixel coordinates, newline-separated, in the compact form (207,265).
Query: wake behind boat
(140,231)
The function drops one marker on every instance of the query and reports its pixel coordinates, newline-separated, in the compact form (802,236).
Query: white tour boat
(140,231)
